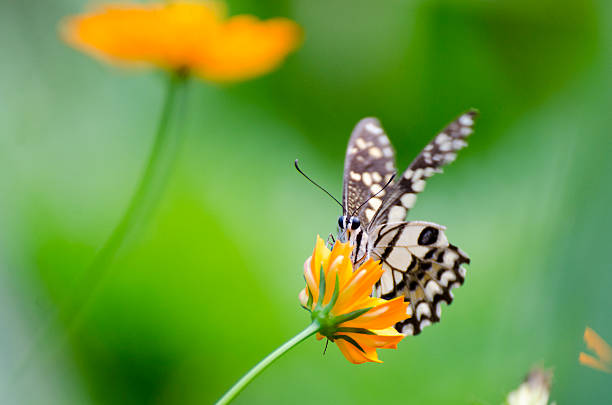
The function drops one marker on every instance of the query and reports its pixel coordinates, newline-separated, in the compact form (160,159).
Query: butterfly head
(346,226)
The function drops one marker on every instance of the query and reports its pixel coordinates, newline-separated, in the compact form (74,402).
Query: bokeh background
(209,286)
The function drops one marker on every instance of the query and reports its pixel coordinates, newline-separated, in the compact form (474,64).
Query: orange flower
(601,349)
(184,36)
(339,301)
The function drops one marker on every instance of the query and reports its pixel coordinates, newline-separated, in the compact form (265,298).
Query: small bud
(535,390)
(303,297)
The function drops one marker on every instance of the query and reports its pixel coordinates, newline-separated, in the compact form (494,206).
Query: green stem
(145,198)
(261,366)
(152,182)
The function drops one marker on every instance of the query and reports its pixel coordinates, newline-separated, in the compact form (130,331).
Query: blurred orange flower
(601,349)
(182,35)
(339,300)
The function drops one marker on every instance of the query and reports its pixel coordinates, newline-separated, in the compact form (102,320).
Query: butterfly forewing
(369,163)
(441,151)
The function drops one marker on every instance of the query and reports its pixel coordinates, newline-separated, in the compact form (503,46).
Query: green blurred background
(209,286)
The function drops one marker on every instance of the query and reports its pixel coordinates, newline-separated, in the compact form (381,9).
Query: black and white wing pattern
(368,165)
(418,260)
(441,151)
(419,264)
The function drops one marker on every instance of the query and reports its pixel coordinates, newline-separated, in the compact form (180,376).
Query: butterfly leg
(331,240)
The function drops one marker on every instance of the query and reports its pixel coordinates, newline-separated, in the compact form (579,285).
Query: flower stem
(151,184)
(255,371)
(144,201)
(145,198)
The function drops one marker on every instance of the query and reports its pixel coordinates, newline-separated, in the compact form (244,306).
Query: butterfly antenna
(374,195)
(313,182)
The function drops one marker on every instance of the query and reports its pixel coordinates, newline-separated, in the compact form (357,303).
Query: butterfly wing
(369,163)
(419,264)
(438,153)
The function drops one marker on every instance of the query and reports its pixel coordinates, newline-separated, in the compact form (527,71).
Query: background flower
(603,352)
(184,35)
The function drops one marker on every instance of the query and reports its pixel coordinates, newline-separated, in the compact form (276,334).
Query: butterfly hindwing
(369,163)
(419,264)
(435,285)
(441,151)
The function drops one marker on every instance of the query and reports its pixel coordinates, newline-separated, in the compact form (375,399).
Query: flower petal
(382,316)
(333,274)
(598,345)
(246,47)
(320,257)
(312,280)
(303,297)
(356,356)
(312,267)
(344,268)
(358,287)
(590,361)
(381,339)
(166,35)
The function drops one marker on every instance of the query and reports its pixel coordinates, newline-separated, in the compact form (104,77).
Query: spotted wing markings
(422,269)
(370,161)
(441,151)
(419,264)
(433,287)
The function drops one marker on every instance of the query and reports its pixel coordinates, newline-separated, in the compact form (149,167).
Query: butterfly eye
(355,223)
(341,222)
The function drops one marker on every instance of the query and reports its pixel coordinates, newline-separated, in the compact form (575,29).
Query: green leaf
(310,298)
(335,295)
(321,287)
(362,331)
(350,340)
(350,316)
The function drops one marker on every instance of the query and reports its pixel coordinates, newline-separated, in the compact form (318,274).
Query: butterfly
(418,260)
